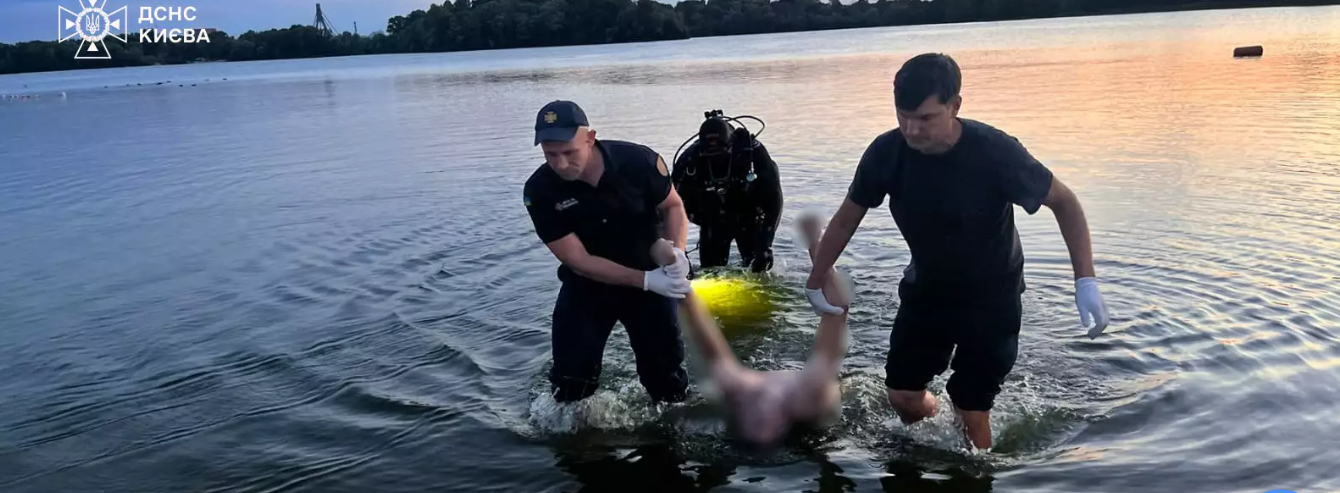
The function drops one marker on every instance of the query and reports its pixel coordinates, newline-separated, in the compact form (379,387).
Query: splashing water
(622,408)
(1023,422)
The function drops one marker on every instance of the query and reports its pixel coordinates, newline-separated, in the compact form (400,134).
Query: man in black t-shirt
(599,205)
(952,184)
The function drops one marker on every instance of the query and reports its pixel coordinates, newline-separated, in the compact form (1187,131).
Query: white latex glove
(1091,307)
(820,302)
(681,266)
(665,285)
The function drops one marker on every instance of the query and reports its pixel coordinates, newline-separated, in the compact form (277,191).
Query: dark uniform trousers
(583,318)
(617,219)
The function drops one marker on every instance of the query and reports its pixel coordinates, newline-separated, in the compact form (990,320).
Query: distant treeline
(494,24)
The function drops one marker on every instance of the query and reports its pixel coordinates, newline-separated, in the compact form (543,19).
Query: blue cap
(559,120)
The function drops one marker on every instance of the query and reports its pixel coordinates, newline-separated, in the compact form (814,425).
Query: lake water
(317,275)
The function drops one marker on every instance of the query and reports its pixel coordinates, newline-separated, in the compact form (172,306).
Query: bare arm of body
(705,333)
(697,319)
(766,404)
(830,342)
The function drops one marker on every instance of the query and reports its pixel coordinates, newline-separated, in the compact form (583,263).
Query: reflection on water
(318,274)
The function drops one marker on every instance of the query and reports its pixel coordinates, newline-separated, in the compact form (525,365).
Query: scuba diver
(732,190)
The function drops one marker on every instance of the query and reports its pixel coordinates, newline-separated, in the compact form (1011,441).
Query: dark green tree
(493,24)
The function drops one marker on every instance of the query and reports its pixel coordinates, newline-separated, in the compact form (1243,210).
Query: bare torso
(766,404)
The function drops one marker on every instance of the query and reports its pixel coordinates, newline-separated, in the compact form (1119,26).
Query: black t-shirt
(617,219)
(955,210)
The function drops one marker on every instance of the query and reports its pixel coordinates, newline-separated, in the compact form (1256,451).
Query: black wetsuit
(616,220)
(720,198)
(964,283)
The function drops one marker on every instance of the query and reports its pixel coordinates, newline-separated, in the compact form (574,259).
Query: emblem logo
(91,24)
(565,204)
(550,117)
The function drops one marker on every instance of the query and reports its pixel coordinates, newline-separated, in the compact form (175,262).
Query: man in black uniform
(732,191)
(952,184)
(599,205)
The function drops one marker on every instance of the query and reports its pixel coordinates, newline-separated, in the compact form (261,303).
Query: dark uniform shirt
(955,210)
(617,219)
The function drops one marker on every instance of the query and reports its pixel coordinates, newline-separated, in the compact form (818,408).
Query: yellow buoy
(739,303)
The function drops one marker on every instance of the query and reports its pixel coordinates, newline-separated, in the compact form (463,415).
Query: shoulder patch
(660,166)
(525,199)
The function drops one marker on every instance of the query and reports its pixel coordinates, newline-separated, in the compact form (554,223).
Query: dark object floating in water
(1248,51)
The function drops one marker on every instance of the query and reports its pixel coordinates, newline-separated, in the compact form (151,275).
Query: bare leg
(977,427)
(912,406)
(830,344)
(821,395)
(836,288)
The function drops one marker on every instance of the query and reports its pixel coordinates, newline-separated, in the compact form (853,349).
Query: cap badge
(550,117)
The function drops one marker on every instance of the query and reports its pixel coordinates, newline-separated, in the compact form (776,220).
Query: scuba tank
(742,151)
(732,122)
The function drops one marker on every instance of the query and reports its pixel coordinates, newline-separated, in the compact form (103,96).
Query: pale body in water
(764,405)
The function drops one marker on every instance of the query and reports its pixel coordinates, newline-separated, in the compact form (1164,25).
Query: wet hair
(923,76)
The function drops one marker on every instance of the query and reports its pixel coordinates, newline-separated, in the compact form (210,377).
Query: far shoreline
(1194,7)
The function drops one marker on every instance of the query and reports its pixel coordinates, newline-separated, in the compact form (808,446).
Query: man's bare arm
(1074,227)
(676,222)
(840,230)
(572,253)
